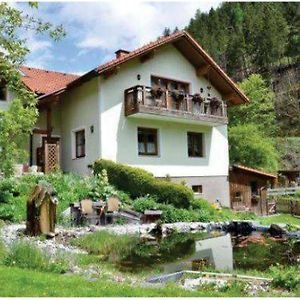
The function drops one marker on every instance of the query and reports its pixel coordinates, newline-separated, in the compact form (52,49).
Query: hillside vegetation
(257,37)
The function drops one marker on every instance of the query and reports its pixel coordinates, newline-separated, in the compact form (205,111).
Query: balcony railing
(143,99)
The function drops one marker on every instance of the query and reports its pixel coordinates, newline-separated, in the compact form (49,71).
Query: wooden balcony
(144,101)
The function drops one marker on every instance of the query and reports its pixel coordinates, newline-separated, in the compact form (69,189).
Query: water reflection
(216,252)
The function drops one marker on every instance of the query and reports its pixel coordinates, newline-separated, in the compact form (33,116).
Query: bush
(27,256)
(286,277)
(69,188)
(142,203)
(138,183)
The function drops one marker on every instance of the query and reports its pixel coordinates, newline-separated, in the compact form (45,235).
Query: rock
(157,230)
(66,213)
(147,237)
(240,228)
(276,231)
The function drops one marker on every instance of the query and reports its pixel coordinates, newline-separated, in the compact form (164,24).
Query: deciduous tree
(17,122)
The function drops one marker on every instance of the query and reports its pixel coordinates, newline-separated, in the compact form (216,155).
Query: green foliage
(289,152)
(286,277)
(245,37)
(138,183)
(17,122)
(249,146)
(110,246)
(260,110)
(100,188)
(143,203)
(70,188)
(27,256)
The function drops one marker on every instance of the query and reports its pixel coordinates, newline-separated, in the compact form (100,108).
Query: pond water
(217,250)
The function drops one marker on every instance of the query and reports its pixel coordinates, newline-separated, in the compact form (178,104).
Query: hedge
(138,182)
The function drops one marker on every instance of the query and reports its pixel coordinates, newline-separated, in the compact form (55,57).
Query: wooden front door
(51,154)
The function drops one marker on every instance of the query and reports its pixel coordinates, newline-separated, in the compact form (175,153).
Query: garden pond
(215,250)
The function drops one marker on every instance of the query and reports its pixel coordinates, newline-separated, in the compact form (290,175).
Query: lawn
(281,218)
(17,282)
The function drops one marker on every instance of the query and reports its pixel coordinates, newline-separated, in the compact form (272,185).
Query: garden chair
(88,214)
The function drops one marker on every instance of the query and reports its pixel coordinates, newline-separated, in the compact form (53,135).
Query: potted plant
(197,98)
(157,92)
(215,102)
(178,95)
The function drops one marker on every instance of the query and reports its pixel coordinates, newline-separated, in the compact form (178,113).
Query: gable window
(3,92)
(147,141)
(195,144)
(80,143)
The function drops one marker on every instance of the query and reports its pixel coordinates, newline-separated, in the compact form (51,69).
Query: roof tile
(43,81)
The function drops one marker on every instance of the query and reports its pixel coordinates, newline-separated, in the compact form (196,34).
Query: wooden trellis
(51,157)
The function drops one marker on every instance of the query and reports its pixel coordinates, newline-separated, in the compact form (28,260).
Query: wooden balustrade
(143,99)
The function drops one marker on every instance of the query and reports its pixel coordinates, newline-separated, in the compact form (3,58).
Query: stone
(240,228)
(276,231)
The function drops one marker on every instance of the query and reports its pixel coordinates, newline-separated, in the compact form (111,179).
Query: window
(3,92)
(197,189)
(80,143)
(147,141)
(195,144)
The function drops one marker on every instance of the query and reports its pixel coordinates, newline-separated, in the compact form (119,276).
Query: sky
(95,30)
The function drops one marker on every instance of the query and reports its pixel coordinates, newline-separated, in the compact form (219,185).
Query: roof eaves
(211,61)
(248,169)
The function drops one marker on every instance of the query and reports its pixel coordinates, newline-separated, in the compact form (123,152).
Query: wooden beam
(232,97)
(49,122)
(44,103)
(39,131)
(203,70)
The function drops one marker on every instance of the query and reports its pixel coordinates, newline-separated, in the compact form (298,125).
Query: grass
(27,256)
(107,245)
(282,218)
(17,282)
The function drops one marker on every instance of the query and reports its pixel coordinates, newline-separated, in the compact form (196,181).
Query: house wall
(80,110)
(119,133)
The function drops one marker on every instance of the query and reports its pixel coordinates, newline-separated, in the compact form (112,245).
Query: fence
(289,205)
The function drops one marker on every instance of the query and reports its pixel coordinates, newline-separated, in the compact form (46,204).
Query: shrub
(286,277)
(27,256)
(142,203)
(138,182)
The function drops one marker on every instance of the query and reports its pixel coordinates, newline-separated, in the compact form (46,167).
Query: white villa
(161,107)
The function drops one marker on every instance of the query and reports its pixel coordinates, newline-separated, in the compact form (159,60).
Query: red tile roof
(43,81)
(107,67)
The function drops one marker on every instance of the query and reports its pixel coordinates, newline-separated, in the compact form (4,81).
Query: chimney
(120,53)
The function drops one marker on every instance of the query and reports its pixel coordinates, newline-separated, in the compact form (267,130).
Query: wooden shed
(248,189)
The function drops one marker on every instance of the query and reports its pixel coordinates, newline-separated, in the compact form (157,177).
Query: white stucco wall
(119,133)
(80,110)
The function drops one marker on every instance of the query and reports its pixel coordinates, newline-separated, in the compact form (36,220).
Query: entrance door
(51,154)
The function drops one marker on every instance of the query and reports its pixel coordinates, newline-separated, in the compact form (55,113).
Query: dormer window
(3,92)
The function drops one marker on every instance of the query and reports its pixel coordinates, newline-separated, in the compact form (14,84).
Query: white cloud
(122,24)
(110,25)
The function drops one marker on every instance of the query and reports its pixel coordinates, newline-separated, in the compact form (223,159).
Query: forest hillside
(260,38)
